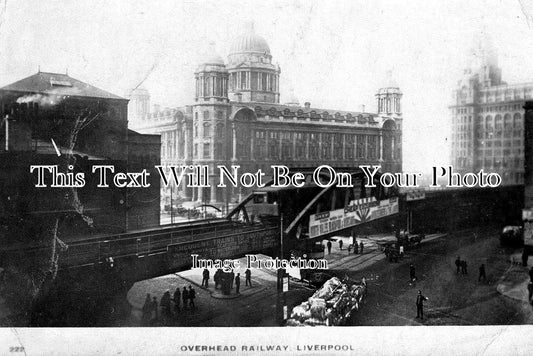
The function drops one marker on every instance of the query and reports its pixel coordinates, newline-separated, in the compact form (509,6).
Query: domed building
(237,119)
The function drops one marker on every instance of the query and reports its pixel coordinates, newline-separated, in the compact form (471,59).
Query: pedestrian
(155,313)
(232,277)
(217,277)
(401,250)
(192,295)
(329,247)
(147,310)
(349,248)
(420,305)
(165,304)
(355,248)
(205,279)
(177,299)
(530,291)
(361,246)
(458,264)
(412,273)
(464,267)
(531,274)
(248,275)
(237,283)
(482,273)
(340,244)
(185,297)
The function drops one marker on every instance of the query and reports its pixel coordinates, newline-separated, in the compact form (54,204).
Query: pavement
(513,283)
(212,307)
(342,259)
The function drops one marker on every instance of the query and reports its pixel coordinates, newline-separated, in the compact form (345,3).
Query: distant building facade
(487,119)
(237,119)
(48,113)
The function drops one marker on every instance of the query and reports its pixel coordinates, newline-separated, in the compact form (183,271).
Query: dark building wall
(448,210)
(528,154)
(143,204)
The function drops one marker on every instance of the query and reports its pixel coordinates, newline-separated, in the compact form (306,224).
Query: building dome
(249,42)
(211,56)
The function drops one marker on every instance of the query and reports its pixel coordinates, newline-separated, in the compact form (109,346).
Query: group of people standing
(462,267)
(221,277)
(151,308)
(356,246)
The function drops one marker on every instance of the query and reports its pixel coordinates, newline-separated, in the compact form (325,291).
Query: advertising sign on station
(358,212)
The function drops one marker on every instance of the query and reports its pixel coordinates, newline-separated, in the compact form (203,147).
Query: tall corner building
(487,118)
(237,119)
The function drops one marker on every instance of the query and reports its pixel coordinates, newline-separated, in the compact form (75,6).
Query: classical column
(234,136)
(307,134)
(381,145)
(200,194)
(213,183)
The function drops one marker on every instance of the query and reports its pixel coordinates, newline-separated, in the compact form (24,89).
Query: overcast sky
(332,53)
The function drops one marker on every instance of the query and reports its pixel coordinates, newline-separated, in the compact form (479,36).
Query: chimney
(362,108)
(307,105)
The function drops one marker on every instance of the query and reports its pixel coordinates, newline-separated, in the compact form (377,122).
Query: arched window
(517,121)
(207,130)
(489,123)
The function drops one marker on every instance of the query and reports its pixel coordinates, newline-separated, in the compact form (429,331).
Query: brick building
(88,126)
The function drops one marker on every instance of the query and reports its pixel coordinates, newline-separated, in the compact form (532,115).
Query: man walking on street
(340,244)
(329,247)
(237,283)
(205,279)
(192,295)
(464,267)
(420,305)
(185,297)
(177,299)
(482,273)
(530,291)
(248,275)
(232,278)
(412,274)
(361,246)
(458,264)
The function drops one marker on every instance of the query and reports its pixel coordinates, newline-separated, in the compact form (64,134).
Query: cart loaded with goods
(330,305)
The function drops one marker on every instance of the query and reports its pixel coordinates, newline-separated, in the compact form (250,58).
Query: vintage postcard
(279,177)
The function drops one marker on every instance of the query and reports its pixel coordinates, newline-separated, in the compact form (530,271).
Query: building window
(349,147)
(361,146)
(326,146)
(243,80)
(206,115)
(254,79)
(286,145)
(207,131)
(221,134)
(195,150)
(207,150)
(219,150)
(372,147)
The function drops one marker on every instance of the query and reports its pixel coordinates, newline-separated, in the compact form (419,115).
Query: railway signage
(358,212)
(223,246)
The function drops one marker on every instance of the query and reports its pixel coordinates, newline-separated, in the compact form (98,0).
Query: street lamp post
(282,283)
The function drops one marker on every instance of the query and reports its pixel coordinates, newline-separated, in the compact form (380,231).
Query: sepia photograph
(266,177)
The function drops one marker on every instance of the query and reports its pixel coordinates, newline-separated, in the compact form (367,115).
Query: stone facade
(237,119)
(488,120)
